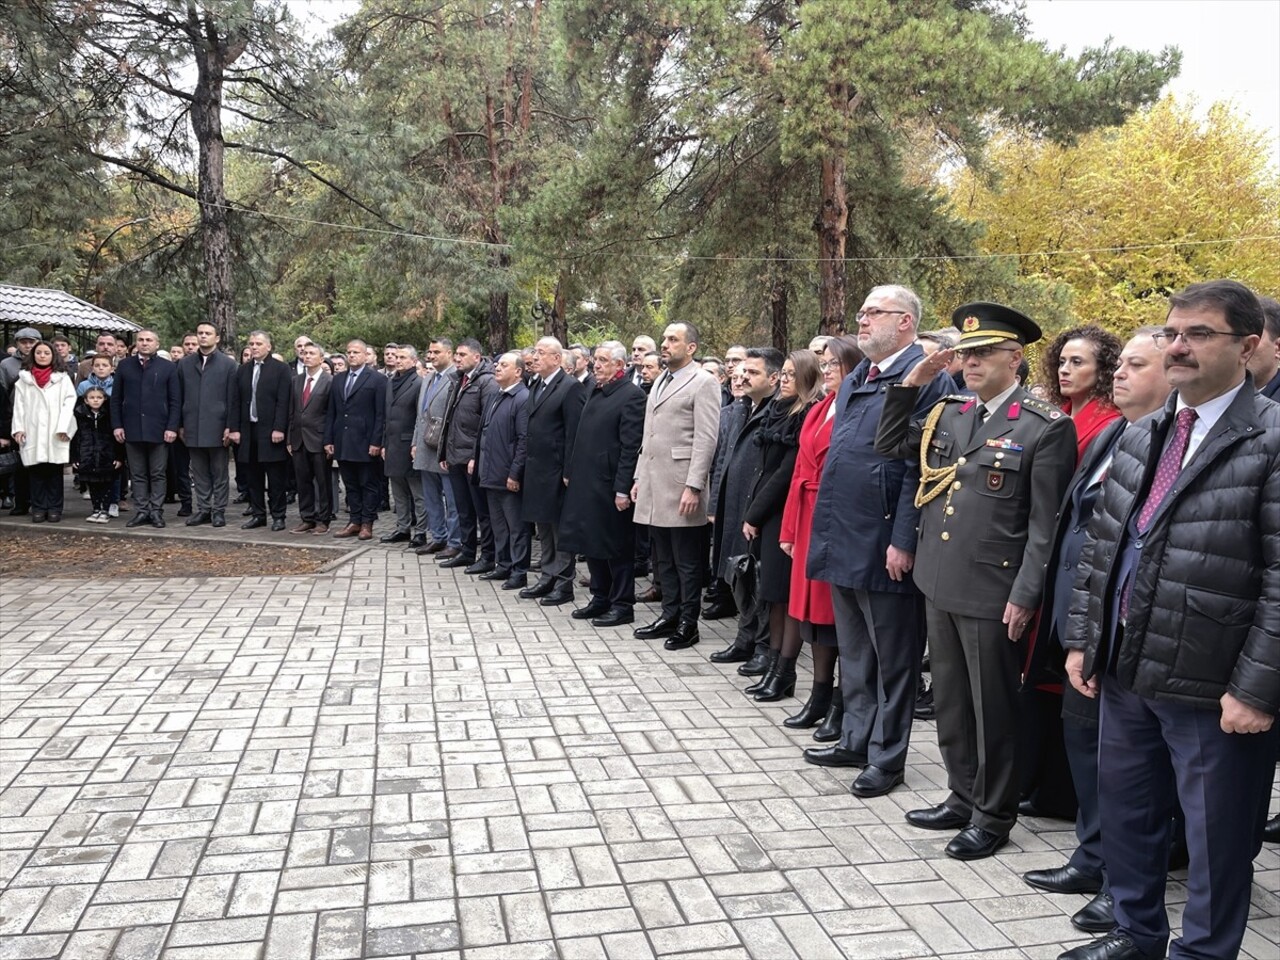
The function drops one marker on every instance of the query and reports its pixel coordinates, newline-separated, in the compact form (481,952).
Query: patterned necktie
(351,383)
(1168,469)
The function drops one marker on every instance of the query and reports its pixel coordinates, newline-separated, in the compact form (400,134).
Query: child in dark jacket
(94,450)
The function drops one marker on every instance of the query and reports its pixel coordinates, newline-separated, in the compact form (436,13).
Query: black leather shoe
(138,519)
(198,519)
(662,627)
(277,524)
(875,782)
(731,654)
(719,609)
(560,595)
(184,511)
(757,666)
(1063,880)
(518,582)
(219,519)
(459,561)
(418,542)
(1271,832)
(540,589)
(686,636)
(399,536)
(1116,946)
(924,707)
(157,521)
(495,574)
(834,757)
(248,512)
(595,608)
(253,523)
(480,566)
(974,843)
(940,817)
(614,617)
(1096,916)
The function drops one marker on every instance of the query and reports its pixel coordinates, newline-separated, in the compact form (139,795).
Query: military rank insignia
(995,480)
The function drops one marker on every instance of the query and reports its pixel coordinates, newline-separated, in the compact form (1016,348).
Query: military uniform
(989,493)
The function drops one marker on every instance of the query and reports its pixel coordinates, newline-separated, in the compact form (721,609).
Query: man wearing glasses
(993,468)
(1174,627)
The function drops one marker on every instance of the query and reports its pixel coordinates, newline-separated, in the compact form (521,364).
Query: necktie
(306,390)
(873,372)
(662,384)
(204,361)
(352,376)
(253,393)
(1169,467)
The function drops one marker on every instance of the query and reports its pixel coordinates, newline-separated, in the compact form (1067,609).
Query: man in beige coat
(682,420)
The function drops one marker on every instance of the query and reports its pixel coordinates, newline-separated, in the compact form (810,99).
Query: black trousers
(473,515)
(613,580)
(679,553)
(45,480)
(178,476)
(364,490)
(1044,771)
(510,533)
(265,478)
(312,473)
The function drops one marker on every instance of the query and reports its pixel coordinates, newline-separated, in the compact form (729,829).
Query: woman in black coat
(779,441)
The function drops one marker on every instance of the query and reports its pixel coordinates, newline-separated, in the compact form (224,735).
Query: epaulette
(1046,410)
(956,398)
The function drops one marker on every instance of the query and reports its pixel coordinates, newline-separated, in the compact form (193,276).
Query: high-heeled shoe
(769,670)
(815,709)
(782,684)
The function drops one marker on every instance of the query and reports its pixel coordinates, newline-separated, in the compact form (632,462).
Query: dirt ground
(74,555)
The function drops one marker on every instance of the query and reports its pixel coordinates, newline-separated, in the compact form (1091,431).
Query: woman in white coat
(44,421)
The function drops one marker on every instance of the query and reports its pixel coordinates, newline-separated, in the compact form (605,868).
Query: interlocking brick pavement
(393,760)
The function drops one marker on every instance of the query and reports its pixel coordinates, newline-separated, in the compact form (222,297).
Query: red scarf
(41,375)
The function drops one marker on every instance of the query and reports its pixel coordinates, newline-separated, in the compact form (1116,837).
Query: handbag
(435,432)
(744,578)
(9,462)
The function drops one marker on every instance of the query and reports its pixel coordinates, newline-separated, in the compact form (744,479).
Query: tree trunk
(833,227)
(779,293)
(558,324)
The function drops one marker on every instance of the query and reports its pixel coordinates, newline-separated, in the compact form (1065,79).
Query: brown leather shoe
(652,595)
(305,527)
(320,530)
(366,531)
(350,530)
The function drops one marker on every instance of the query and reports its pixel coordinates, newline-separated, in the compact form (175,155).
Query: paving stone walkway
(393,760)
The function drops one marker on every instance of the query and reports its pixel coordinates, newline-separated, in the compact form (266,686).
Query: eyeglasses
(826,366)
(964,353)
(1195,337)
(875,312)
(786,375)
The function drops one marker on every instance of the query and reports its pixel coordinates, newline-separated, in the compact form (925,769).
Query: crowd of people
(1089,564)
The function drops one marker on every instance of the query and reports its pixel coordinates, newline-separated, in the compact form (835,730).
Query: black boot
(813,712)
(782,684)
(829,731)
(758,665)
(770,665)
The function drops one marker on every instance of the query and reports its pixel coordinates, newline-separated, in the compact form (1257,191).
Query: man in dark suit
(498,469)
(307,423)
(146,409)
(1173,627)
(993,469)
(641,347)
(353,437)
(600,467)
(1264,365)
(476,387)
(205,375)
(403,388)
(867,498)
(554,407)
(258,423)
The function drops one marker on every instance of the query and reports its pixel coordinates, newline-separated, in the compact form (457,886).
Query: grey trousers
(510,533)
(409,503)
(879,638)
(210,484)
(147,465)
(557,565)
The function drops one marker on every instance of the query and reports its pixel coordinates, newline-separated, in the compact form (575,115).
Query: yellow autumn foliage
(1131,214)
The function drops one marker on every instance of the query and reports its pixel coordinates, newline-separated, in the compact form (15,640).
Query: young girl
(95,452)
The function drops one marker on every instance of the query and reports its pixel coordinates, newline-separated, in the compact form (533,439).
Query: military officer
(993,468)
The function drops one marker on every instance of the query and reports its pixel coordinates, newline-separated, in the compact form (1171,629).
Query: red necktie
(1168,469)
(306,391)
(873,372)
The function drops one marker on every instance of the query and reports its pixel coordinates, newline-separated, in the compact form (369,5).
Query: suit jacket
(307,422)
(984,540)
(402,415)
(356,422)
(433,401)
(863,497)
(206,397)
(146,403)
(730,500)
(681,423)
(502,442)
(553,420)
(600,464)
(274,401)
(1271,389)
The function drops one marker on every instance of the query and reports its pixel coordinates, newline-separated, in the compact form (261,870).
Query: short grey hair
(616,350)
(904,297)
(512,357)
(552,342)
(410,352)
(263,334)
(946,338)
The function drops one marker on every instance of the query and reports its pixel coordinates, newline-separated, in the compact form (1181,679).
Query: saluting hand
(928,368)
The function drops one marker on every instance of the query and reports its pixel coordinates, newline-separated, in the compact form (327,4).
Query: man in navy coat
(869,499)
(353,437)
(498,466)
(146,408)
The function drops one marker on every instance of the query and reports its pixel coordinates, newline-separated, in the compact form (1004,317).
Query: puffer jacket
(466,406)
(1197,625)
(94,446)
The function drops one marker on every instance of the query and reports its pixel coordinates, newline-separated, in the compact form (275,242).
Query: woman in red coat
(1077,370)
(810,600)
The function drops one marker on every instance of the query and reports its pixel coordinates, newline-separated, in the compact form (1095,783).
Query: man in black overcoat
(353,437)
(258,422)
(600,466)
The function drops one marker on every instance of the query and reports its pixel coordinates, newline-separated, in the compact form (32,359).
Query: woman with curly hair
(1077,370)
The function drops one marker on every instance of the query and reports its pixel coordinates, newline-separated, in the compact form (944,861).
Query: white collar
(999,400)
